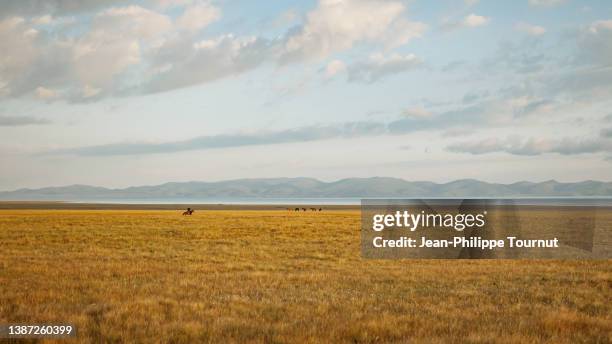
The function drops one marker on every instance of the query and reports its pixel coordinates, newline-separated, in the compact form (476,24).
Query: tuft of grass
(278,277)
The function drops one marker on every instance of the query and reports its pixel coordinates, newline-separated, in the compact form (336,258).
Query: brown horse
(189,211)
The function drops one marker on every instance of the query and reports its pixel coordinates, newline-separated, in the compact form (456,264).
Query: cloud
(117,40)
(586,83)
(587,74)
(337,25)
(379,66)
(182,63)
(470,21)
(533,146)
(472,116)
(42,20)
(302,134)
(606,132)
(532,30)
(525,106)
(88,91)
(375,68)
(458,132)
(595,43)
(51,7)
(596,26)
(545,3)
(46,93)
(473,96)
(32,59)
(170,4)
(96,59)
(547,78)
(19,45)
(416,112)
(476,115)
(132,49)
(458,122)
(286,18)
(454,66)
(474,20)
(334,68)
(15,121)
(198,16)
(115,54)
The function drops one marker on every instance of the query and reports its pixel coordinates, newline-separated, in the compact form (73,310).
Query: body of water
(541,201)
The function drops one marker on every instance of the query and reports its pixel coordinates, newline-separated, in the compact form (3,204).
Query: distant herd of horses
(190,211)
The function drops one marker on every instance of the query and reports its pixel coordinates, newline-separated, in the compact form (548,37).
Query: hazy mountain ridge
(309,187)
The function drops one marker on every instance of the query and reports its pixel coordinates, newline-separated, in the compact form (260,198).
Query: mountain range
(313,188)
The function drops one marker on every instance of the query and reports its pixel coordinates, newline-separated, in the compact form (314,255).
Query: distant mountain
(308,187)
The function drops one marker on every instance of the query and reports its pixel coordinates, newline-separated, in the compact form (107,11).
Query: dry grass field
(278,277)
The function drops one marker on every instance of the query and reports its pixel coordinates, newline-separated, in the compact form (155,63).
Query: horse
(189,211)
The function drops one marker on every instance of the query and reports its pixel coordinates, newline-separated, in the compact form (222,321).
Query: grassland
(278,276)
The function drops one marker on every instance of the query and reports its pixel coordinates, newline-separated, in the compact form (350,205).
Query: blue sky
(114,93)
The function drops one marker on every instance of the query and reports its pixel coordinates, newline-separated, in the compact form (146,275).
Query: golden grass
(277,276)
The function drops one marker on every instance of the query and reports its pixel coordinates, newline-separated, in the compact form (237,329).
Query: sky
(121,93)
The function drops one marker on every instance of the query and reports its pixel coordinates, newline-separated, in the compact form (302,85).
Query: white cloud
(532,30)
(334,67)
(198,16)
(474,20)
(337,25)
(182,63)
(19,51)
(416,112)
(88,91)
(166,4)
(600,26)
(469,21)
(545,3)
(46,93)
(471,3)
(595,42)
(51,7)
(117,40)
(379,66)
(132,21)
(42,20)
(533,146)
(141,50)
